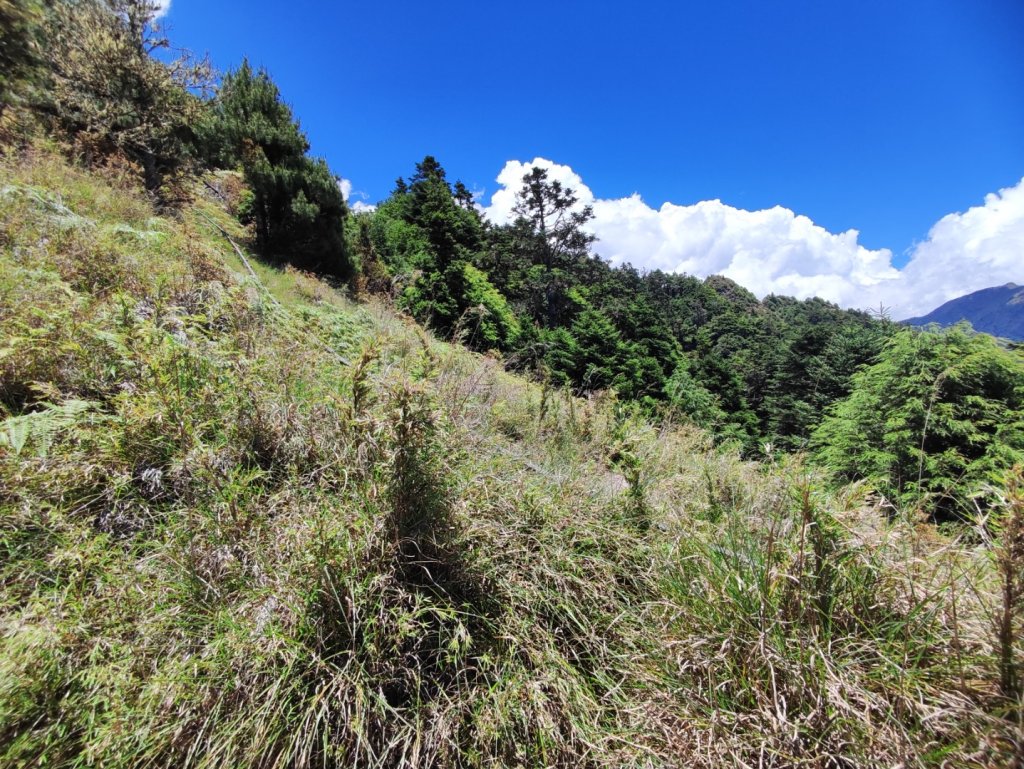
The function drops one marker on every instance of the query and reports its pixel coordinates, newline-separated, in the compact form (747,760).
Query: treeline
(751,371)
(933,419)
(709,351)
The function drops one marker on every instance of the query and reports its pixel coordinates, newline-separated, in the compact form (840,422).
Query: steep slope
(998,311)
(247,522)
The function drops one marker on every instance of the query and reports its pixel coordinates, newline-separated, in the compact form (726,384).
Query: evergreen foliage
(935,423)
(548,211)
(296,204)
(750,371)
(495,325)
(753,371)
(431,233)
(108,94)
(546,250)
(246,522)
(692,400)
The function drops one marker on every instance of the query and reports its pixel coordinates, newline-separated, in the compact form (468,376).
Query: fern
(38,429)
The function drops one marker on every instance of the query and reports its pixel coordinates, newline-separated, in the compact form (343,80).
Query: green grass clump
(247,522)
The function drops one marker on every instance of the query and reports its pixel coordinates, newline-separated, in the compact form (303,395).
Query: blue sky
(881,117)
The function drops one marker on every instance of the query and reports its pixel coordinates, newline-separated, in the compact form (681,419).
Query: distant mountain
(998,311)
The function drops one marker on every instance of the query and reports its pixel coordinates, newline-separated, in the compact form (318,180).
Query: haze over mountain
(998,310)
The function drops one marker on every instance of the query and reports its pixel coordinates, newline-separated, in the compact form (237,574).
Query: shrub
(939,416)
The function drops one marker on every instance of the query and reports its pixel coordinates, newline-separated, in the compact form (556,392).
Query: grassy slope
(243,532)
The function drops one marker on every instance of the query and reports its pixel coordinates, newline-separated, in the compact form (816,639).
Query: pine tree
(555,220)
(107,92)
(297,208)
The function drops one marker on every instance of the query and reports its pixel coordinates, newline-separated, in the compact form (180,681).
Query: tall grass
(298,532)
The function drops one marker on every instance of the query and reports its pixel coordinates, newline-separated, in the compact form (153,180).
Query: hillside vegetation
(245,522)
(286,486)
(772,375)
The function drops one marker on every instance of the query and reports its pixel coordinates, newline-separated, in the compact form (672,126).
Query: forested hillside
(708,350)
(282,485)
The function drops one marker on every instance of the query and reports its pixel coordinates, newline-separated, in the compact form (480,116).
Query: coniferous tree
(550,239)
(752,371)
(296,204)
(688,397)
(554,219)
(431,232)
(107,92)
(939,416)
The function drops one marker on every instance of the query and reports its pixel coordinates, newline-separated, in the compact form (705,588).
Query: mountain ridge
(997,310)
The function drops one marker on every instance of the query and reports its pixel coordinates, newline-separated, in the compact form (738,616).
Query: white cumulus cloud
(160,8)
(358,206)
(965,252)
(778,251)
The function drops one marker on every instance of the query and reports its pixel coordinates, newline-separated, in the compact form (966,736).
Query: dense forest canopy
(706,350)
(935,422)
